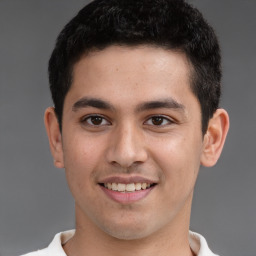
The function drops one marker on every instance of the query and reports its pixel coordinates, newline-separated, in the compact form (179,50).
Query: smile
(127,190)
(131,187)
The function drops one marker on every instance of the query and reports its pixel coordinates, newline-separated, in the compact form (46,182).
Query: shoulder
(199,245)
(55,247)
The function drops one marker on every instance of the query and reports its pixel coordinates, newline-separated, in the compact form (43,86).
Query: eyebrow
(168,103)
(92,102)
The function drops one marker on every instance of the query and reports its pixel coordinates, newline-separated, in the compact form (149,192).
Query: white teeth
(121,187)
(127,187)
(114,186)
(144,185)
(130,187)
(138,186)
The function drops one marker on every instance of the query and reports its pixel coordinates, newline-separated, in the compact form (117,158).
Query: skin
(161,142)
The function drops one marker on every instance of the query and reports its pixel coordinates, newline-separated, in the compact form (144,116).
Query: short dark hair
(170,24)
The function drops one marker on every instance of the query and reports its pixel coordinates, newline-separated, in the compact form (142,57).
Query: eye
(95,120)
(158,121)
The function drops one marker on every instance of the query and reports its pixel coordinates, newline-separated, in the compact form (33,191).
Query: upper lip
(127,179)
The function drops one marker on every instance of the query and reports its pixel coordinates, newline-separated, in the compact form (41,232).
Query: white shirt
(197,243)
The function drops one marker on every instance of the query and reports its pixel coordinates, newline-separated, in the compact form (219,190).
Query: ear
(54,136)
(215,137)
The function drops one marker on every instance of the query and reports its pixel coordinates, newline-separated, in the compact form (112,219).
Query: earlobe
(54,136)
(215,137)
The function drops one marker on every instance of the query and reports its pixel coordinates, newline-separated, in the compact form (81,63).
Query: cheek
(80,151)
(81,158)
(179,162)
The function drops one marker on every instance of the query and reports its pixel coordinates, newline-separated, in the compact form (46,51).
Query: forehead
(128,77)
(123,65)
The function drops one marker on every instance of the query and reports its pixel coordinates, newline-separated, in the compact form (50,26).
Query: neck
(89,240)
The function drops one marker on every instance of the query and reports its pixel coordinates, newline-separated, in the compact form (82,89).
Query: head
(135,85)
(167,24)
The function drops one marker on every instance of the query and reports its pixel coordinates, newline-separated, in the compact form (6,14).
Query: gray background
(34,199)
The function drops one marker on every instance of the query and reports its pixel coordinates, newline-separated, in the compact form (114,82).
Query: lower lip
(128,197)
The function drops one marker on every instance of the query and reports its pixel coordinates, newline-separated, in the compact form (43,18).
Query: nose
(127,147)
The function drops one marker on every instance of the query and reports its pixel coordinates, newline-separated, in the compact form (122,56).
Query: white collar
(197,243)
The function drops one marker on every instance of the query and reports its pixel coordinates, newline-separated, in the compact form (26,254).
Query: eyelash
(164,121)
(86,118)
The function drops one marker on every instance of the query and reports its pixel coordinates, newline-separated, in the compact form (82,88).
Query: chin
(131,232)
(127,235)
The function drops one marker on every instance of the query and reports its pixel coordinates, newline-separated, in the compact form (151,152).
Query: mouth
(127,188)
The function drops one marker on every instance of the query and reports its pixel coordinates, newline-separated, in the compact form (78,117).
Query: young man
(136,87)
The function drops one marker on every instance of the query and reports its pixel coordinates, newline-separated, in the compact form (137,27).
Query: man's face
(131,123)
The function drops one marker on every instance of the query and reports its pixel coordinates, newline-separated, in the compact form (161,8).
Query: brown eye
(157,120)
(95,120)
